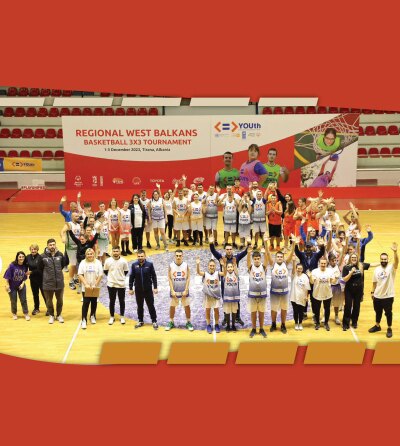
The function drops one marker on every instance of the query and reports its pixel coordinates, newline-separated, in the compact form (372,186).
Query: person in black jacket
(35,277)
(143,277)
(138,220)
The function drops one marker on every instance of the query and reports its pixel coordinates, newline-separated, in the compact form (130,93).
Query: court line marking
(354,334)
(71,343)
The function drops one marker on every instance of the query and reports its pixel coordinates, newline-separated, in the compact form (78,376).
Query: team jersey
(168,207)
(226,177)
(251,171)
(212,285)
(322,283)
(231,288)
(202,195)
(273,173)
(244,218)
(197,213)
(157,209)
(76,229)
(299,289)
(113,215)
(211,206)
(230,211)
(181,207)
(279,279)
(178,274)
(259,210)
(257,282)
(103,234)
(144,203)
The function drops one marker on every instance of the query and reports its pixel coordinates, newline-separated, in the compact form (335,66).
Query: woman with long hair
(114,222)
(288,222)
(138,220)
(157,216)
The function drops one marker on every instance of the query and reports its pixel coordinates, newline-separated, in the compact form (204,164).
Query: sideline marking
(354,334)
(71,343)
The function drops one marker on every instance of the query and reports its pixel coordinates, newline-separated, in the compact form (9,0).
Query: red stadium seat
(5,133)
(16,133)
(373,152)
(117,95)
(12,91)
(34,92)
(65,111)
(300,110)
(370,130)
(44,92)
(396,151)
(311,110)
(42,112)
(3,154)
(87,111)
(36,154)
(8,112)
(153,111)
(48,154)
(27,133)
(333,110)
(393,130)
(59,154)
(19,112)
(321,110)
(381,130)
(277,111)
(25,154)
(105,95)
(76,111)
(98,111)
(130,111)
(267,111)
(379,112)
(366,111)
(109,111)
(54,112)
(344,110)
(56,93)
(39,133)
(385,152)
(361,131)
(119,111)
(362,152)
(289,111)
(67,93)
(31,112)
(23,91)
(59,133)
(13,154)
(355,110)
(51,133)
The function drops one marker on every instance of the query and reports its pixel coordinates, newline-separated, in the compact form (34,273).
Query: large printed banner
(140,151)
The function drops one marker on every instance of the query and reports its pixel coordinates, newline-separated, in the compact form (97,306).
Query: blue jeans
(22,298)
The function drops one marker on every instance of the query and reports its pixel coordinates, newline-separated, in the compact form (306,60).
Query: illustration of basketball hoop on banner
(326,139)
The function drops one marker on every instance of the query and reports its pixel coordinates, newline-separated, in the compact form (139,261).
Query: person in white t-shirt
(383,290)
(116,268)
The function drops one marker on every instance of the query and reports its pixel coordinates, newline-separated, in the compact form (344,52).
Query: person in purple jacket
(16,275)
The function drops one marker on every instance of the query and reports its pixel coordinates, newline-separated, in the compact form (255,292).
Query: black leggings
(36,287)
(170,225)
(137,238)
(316,308)
(298,311)
(88,301)
(384,305)
(113,297)
(352,302)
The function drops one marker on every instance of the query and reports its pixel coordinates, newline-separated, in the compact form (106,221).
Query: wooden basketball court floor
(67,343)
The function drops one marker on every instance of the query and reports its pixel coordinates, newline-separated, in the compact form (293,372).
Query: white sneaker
(81,299)
(83,324)
(60,319)
(122,320)
(337,321)
(79,289)
(93,319)
(135,250)
(15,317)
(300,327)
(27,317)
(296,327)
(111,321)
(51,320)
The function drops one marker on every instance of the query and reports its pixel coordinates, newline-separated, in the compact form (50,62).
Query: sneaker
(389,333)
(148,245)
(178,243)
(135,250)
(305,316)
(283,328)
(253,332)
(122,320)
(317,326)
(337,321)
(354,325)
(345,327)
(111,321)
(235,246)
(60,319)
(185,242)
(36,311)
(189,326)
(209,329)
(234,327)
(79,289)
(128,252)
(224,322)
(327,327)
(166,249)
(216,243)
(76,280)
(47,313)
(155,325)
(15,317)
(217,328)
(83,324)
(296,327)
(262,333)
(157,247)
(228,328)
(65,269)
(255,247)
(374,329)
(51,320)
(139,324)
(170,326)
(273,327)
(123,253)
(239,321)
(93,319)
(81,298)
(27,317)
(300,327)
(72,285)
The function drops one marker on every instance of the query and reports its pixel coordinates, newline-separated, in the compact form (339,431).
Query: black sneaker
(47,313)
(155,325)
(239,321)
(139,324)
(216,243)
(327,327)
(185,242)
(148,245)
(35,311)
(123,253)
(283,329)
(234,327)
(178,243)
(255,247)
(389,333)
(305,316)
(235,246)
(223,322)
(354,325)
(76,281)
(273,327)
(253,332)
(262,333)
(191,240)
(317,326)
(129,252)
(228,328)
(345,327)
(201,243)
(374,329)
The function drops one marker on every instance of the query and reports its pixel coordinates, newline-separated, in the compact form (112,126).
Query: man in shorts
(180,208)
(259,217)
(211,214)
(274,212)
(227,175)
(179,279)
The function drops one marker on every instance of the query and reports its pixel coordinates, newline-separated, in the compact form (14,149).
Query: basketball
(334,157)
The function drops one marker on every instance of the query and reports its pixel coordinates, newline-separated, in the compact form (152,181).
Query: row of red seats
(374,152)
(380,130)
(55,112)
(30,133)
(320,110)
(23,91)
(47,154)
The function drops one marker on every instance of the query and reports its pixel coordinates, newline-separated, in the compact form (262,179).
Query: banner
(140,151)
(20,164)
